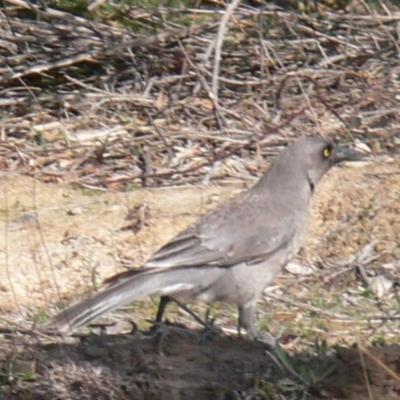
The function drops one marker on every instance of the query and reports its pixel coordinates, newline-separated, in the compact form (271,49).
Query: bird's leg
(205,323)
(208,319)
(164,300)
(247,319)
(157,328)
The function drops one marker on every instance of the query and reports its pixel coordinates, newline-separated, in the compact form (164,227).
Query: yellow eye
(327,152)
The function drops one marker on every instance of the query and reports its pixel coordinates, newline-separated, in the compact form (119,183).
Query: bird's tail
(188,281)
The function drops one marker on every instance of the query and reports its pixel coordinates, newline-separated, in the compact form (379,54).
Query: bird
(233,252)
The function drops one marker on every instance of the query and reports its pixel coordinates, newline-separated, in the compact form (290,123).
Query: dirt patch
(73,239)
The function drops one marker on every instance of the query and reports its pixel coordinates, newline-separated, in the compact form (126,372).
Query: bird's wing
(228,235)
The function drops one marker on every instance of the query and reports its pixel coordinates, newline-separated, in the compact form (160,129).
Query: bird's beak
(354,152)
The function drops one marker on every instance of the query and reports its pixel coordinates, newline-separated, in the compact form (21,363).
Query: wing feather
(226,237)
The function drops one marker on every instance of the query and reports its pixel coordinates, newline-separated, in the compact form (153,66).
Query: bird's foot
(266,338)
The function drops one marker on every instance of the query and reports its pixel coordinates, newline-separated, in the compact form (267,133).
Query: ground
(338,325)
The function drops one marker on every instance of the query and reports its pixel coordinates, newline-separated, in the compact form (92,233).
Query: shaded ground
(179,365)
(73,239)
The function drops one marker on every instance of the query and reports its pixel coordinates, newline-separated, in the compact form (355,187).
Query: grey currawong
(233,252)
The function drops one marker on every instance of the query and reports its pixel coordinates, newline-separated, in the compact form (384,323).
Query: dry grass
(120,109)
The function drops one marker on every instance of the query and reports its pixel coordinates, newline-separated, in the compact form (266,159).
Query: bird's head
(309,158)
(317,156)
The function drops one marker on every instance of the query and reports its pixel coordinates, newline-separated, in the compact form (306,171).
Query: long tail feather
(186,281)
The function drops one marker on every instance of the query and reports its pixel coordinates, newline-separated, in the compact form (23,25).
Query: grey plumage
(233,252)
